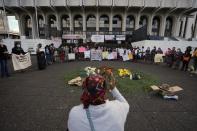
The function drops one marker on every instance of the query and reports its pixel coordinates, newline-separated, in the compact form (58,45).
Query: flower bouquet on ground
(124,73)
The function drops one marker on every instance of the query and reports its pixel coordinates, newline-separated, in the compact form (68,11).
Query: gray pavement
(40,101)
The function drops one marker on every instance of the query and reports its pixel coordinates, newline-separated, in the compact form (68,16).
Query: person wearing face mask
(18,50)
(3,60)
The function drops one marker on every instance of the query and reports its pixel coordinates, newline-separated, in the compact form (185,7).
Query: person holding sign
(3,60)
(18,50)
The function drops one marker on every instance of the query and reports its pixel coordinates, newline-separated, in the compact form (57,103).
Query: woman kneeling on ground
(97,113)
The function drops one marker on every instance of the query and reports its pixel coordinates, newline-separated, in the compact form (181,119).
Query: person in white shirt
(97,113)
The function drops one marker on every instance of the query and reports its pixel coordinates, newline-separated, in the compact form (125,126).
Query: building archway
(28,26)
(78,23)
(41,26)
(156,26)
(143,21)
(91,23)
(52,26)
(65,24)
(130,24)
(104,23)
(168,27)
(117,24)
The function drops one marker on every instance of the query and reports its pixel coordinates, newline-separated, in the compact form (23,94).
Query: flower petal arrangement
(124,73)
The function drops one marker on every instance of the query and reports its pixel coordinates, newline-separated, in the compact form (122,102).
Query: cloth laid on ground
(76,81)
(158,58)
(21,61)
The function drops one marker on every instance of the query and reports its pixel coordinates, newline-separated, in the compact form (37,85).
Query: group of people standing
(4,56)
(176,58)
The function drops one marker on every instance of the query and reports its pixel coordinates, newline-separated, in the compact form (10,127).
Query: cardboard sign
(97,38)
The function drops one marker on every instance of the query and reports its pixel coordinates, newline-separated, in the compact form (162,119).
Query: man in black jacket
(3,60)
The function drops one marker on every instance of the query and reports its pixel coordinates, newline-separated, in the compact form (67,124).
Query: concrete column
(124,22)
(183,27)
(111,21)
(46,28)
(186,28)
(149,28)
(84,26)
(58,22)
(97,21)
(71,22)
(176,27)
(195,33)
(21,26)
(84,21)
(162,26)
(137,20)
(34,26)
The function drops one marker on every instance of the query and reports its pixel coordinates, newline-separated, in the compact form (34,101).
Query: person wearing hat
(97,113)
(3,60)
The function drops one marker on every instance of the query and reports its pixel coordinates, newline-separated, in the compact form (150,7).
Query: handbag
(89,119)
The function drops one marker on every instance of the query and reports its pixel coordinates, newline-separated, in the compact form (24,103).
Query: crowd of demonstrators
(174,58)
(48,55)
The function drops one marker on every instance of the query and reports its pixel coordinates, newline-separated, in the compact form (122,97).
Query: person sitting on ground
(186,58)
(18,50)
(96,113)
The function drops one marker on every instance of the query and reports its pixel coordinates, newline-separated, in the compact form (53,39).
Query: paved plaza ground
(40,100)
